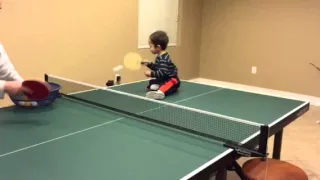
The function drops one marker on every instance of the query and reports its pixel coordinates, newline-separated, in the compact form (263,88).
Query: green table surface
(75,141)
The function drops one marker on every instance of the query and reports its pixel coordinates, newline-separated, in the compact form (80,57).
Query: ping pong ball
(318,122)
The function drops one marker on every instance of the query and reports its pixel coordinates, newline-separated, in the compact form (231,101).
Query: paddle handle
(145,63)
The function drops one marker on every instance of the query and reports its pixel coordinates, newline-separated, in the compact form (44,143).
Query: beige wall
(219,39)
(280,37)
(50,36)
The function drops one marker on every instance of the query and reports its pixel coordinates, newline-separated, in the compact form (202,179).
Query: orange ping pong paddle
(133,61)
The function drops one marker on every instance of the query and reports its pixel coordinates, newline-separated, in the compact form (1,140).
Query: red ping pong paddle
(36,90)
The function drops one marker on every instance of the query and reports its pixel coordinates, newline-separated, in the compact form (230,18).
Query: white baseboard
(315,101)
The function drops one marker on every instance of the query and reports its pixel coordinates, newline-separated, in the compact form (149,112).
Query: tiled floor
(301,143)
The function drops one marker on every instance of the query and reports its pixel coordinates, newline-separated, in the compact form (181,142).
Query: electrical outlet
(254,70)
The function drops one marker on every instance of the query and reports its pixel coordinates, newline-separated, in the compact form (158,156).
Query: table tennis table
(78,140)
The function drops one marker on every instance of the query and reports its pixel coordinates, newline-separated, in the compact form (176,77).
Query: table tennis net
(202,123)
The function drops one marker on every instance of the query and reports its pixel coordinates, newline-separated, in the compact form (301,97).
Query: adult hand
(14,87)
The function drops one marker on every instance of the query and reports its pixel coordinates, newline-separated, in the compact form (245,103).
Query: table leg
(277,145)
(221,174)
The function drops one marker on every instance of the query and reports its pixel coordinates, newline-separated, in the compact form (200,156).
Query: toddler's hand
(148,73)
(145,62)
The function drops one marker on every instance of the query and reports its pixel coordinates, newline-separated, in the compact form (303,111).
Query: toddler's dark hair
(160,38)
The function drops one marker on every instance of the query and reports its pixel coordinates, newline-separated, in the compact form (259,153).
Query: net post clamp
(245,152)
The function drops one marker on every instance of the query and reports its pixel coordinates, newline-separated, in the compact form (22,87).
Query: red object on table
(36,90)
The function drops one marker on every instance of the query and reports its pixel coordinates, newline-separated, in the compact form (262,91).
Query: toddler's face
(153,49)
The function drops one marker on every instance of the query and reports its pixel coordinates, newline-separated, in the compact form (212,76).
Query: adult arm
(7,71)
